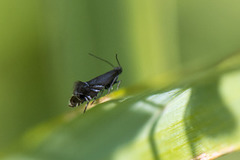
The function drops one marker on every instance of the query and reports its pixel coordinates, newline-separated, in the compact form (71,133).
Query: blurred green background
(44,46)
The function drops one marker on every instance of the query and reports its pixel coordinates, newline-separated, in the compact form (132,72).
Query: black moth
(91,90)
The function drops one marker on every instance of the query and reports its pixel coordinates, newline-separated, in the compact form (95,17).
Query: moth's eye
(74,101)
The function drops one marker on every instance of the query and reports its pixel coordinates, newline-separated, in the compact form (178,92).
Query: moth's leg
(86,83)
(119,82)
(95,90)
(85,108)
(114,80)
(99,95)
(97,86)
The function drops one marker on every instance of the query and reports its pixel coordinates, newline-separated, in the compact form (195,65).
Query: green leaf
(196,120)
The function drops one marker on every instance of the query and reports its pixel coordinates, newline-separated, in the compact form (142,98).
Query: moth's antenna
(118,61)
(101,59)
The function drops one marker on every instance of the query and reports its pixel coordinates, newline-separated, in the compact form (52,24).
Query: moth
(93,89)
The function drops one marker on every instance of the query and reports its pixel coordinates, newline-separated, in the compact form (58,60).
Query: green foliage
(180,93)
(199,120)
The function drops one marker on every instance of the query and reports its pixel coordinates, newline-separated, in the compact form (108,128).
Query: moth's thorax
(81,88)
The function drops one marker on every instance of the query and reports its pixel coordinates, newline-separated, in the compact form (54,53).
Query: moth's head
(75,101)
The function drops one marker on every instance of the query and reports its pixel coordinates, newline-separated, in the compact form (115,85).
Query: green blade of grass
(194,122)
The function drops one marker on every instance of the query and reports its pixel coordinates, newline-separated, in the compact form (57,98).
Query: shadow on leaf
(206,114)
